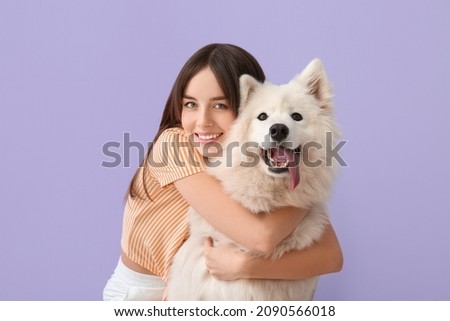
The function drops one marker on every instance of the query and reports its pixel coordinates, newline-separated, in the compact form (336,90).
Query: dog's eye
(262,116)
(296,116)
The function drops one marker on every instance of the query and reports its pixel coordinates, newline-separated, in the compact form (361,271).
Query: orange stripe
(154,229)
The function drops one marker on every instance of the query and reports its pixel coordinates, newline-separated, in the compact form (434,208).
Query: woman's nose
(205,118)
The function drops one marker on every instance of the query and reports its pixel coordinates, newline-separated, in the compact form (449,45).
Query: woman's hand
(227,262)
(224,261)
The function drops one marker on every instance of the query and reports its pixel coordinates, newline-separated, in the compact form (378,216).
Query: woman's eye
(220,106)
(190,105)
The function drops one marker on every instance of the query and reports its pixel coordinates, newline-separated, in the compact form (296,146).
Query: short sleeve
(173,157)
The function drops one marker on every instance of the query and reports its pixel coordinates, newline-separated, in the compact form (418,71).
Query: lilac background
(77,74)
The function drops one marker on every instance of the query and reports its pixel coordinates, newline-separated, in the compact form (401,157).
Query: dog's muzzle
(280,159)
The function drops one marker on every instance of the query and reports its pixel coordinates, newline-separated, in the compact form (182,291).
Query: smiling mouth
(204,138)
(280,160)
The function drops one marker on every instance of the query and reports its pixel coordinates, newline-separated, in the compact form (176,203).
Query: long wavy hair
(228,62)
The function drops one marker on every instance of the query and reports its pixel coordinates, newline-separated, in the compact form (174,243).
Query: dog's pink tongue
(281,154)
(294,173)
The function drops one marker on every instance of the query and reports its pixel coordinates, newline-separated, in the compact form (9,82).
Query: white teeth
(208,137)
(274,163)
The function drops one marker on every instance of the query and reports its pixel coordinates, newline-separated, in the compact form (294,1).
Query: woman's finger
(208,242)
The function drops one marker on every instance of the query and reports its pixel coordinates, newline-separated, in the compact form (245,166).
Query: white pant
(128,285)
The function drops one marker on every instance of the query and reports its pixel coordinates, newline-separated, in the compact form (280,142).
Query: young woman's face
(206,114)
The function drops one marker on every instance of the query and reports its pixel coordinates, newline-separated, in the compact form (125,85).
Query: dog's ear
(247,85)
(317,83)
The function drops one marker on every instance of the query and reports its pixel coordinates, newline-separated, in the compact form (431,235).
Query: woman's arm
(227,262)
(256,232)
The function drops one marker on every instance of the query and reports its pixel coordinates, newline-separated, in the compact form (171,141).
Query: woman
(200,109)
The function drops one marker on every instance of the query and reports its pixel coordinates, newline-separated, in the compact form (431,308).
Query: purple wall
(75,75)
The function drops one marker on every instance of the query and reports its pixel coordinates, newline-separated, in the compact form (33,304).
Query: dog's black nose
(279,132)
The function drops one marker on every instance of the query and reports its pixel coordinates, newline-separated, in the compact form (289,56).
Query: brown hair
(228,62)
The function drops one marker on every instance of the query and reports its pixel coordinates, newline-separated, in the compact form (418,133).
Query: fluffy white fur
(261,190)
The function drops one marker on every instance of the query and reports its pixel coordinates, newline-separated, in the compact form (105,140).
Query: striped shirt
(155,228)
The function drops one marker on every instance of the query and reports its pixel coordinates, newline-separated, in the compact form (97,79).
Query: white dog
(283,133)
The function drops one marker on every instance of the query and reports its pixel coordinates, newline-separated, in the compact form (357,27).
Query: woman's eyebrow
(218,98)
(212,99)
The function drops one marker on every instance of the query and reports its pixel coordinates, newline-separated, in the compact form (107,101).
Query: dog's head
(282,119)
